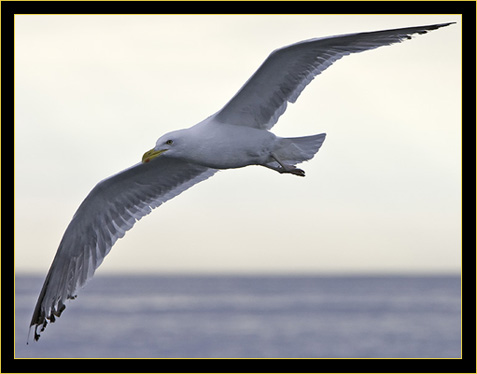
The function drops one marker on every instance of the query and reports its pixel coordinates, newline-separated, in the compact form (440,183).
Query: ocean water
(248,317)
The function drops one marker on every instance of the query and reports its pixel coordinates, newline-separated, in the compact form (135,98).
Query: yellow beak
(149,155)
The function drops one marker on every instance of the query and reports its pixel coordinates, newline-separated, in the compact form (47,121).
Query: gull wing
(111,208)
(288,70)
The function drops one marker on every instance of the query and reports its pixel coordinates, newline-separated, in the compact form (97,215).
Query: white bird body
(233,143)
(236,136)
(233,146)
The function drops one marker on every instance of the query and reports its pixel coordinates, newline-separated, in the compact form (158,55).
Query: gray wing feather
(288,70)
(110,209)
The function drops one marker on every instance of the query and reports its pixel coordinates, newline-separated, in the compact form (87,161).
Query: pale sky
(383,195)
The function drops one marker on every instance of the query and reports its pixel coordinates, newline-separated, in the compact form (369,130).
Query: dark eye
(169,142)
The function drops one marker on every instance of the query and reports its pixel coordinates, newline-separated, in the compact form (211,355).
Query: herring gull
(234,137)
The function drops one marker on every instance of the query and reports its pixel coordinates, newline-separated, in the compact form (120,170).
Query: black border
(239,7)
(465,365)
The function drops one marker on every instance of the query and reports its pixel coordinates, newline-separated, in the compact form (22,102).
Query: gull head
(171,143)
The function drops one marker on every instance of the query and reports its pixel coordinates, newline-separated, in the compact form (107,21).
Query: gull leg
(284,168)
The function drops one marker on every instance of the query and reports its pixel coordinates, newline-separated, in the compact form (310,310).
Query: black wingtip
(433,27)
(439,25)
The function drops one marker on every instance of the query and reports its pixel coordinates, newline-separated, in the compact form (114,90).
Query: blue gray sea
(248,317)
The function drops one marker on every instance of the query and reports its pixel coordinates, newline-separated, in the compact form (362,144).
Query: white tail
(296,150)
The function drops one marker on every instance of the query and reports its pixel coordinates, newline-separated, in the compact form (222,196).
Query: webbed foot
(286,169)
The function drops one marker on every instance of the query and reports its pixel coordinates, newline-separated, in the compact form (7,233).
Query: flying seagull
(236,136)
